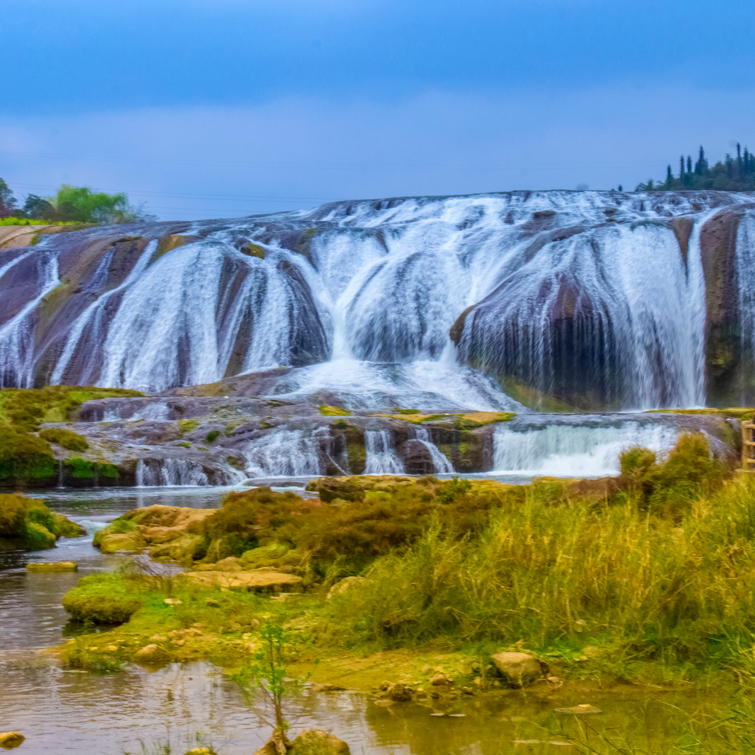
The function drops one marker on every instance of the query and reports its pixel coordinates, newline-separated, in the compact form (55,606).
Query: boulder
(126,541)
(345,585)
(519,669)
(316,742)
(258,580)
(52,566)
(150,654)
(9,739)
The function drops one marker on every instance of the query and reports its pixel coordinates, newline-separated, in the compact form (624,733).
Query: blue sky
(211,109)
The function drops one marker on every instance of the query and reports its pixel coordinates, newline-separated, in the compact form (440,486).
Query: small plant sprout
(267,674)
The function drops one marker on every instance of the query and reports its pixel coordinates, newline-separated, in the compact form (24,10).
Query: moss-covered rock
(64,438)
(25,459)
(29,524)
(101,599)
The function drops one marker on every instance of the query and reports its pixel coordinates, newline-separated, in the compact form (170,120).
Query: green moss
(185,444)
(230,427)
(81,469)
(253,250)
(212,436)
(64,438)
(24,458)
(30,522)
(406,411)
(102,599)
(107,470)
(333,411)
(188,425)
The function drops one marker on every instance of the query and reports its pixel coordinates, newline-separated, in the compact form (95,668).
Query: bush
(210,437)
(64,438)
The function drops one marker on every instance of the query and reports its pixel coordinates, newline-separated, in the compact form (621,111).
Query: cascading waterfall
(284,453)
(590,296)
(441,464)
(746,279)
(567,450)
(169,473)
(381,453)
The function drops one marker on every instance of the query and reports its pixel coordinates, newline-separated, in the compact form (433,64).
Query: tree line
(71,204)
(731,174)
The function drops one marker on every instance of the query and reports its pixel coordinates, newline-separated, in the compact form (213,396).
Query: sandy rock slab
(260,579)
(52,566)
(519,669)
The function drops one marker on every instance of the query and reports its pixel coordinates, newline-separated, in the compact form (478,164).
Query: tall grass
(676,583)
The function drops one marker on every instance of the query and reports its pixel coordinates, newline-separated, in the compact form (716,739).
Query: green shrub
(210,437)
(64,438)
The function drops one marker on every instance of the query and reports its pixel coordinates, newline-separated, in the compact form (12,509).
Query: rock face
(519,669)
(261,580)
(315,742)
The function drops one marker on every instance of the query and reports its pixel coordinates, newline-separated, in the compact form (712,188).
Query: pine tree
(689,164)
(681,168)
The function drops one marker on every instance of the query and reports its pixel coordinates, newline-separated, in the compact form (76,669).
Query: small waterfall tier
(552,300)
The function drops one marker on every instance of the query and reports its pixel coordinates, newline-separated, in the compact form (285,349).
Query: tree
(689,164)
(8,203)
(701,166)
(268,674)
(669,177)
(38,208)
(82,205)
(681,168)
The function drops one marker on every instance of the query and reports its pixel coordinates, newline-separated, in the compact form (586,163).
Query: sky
(224,108)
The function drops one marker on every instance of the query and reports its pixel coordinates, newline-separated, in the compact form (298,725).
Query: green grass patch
(188,425)
(64,438)
(333,411)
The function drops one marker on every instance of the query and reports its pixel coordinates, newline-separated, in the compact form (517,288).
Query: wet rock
(441,680)
(345,585)
(52,566)
(398,692)
(519,669)
(10,739)
(580,710)
(316,742)
(200,751)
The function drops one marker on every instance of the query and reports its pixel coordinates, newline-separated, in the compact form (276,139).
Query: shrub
(64,438)
(212,435)
(81,468)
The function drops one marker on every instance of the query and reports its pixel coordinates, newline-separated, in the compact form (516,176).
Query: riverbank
(643,578)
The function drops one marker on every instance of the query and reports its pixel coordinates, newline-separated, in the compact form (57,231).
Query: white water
(284,453)
(746,274)
(441,464)
(574,451)
(381,453)
(170,473)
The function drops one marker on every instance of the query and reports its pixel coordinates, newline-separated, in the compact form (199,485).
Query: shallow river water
(65,711)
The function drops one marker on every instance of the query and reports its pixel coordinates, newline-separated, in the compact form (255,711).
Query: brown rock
(519,669)
(9,739)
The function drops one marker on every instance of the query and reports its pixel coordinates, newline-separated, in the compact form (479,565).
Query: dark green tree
(8,203)
(38,208)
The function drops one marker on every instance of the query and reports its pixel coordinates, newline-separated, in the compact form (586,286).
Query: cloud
(296,152)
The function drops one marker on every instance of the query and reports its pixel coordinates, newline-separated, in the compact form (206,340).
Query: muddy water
(63,711)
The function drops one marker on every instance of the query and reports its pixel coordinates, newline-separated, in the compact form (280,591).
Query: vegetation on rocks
(28,523)
(26,458)
(645,576)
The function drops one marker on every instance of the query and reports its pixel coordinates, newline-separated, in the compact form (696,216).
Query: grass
(64,438)
(29,522)
(333,411)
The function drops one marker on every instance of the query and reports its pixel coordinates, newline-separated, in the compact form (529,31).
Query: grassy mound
(102,599)
(64,438)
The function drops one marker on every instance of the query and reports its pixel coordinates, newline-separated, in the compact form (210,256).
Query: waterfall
(284,453)
(381,453)
(746,279)
(592,298)
(17,335)
(441,463)
(169,473)
(564,450)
